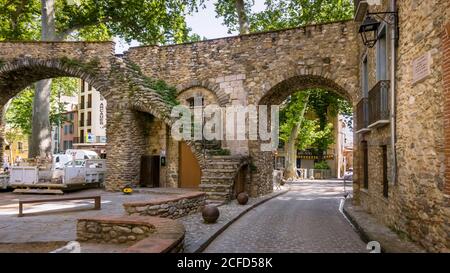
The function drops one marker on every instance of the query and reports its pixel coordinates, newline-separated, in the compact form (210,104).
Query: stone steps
(218,177)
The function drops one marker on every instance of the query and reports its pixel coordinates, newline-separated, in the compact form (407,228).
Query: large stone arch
(261,182)
(17,74)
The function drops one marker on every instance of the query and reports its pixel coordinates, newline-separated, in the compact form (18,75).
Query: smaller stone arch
(222,98)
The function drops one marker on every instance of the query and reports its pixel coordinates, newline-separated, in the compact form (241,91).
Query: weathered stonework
(417,205)
(141,234)
(240,70)
(170,207)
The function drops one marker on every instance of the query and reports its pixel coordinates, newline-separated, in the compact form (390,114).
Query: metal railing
(379,102)
(362,114)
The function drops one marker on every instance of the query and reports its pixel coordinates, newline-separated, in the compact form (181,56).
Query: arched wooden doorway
(189,171)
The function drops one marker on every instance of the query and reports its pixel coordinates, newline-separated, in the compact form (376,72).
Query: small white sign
(374,2)
(421,67)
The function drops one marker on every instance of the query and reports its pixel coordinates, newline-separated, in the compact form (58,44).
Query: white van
(59,160)
(81,154)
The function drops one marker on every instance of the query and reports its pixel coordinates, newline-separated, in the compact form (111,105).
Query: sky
(204,23)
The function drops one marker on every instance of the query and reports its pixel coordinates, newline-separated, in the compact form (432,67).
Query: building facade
(402,156)
(92,120)
(69,130)
(64,131)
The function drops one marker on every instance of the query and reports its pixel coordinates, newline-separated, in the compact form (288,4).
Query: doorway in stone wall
(150,171)
(240,181)
(189,169)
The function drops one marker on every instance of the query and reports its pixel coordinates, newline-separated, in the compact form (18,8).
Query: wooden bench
(97,199)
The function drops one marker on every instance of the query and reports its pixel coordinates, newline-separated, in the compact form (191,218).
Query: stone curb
(226,225)
(371,230)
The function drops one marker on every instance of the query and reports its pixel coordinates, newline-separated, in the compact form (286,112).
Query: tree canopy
(147,21)
(19,112)
(279,14)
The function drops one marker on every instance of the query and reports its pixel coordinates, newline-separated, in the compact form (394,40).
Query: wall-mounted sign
(90,138)
(421,67)
(101,114)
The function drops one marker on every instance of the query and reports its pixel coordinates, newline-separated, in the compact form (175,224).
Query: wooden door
(239,181)
(189,173)
(150,171)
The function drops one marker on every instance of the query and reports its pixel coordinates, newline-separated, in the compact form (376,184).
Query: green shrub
(321,165)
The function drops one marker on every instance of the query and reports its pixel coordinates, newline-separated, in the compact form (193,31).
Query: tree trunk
(243,22)
(291,147)
(41,141)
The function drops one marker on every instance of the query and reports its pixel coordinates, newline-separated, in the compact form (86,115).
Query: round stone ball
(210,214)
(242,198)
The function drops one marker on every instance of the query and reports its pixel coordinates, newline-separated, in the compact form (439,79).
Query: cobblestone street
(306,219)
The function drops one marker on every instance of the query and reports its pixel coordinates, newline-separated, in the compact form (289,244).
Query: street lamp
(369,28)
(369,31)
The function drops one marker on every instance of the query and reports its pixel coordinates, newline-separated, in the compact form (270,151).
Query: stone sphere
(210,214)
(242,198)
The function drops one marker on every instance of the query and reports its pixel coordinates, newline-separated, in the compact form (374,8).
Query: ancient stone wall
(170,207)
(416,206)
(139,234)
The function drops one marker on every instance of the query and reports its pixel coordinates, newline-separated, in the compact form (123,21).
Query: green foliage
(279,14)
(20,111)
(227,10)
(147,21)
(167,92)
(321,165)
(290,114)
(253,167)
(91,66)
(313,133)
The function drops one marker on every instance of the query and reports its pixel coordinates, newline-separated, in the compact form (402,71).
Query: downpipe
(393,95)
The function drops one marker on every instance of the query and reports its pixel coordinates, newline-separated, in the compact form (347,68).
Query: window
(70,144)
(89,102)
(192,100)
(82,86)
(385,176)
(382,54)
(279,162)
(70,116)
(81,136)
(365,159)
(82,102)
(82,119)
(71,129)
(365,78)
(89,118)
(20,146)
(89,87)
(66,129)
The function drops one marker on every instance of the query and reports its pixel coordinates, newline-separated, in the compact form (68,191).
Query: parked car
(59,161)
(82,154)
(348,175)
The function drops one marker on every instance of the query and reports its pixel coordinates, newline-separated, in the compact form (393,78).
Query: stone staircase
(218,176)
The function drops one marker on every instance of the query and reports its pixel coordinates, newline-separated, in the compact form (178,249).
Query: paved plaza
(56,222)
(306,219)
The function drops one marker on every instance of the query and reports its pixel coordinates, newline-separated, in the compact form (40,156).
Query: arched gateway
(253,69)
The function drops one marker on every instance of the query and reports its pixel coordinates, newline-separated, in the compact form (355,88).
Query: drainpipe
(393,102)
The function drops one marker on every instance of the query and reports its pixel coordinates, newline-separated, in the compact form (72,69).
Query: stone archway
(261,182)
(19,73)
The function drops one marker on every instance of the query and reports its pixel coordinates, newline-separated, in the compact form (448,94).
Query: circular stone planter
(242,198)
(210,214)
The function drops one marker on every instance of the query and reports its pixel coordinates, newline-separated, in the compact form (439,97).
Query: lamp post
(369,28)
